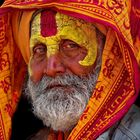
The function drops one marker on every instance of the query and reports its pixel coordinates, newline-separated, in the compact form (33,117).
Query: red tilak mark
(48,23)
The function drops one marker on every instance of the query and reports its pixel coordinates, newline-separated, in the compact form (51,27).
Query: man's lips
(66,88)
(57,86)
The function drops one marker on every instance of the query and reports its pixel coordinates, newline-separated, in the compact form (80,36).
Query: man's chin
(59,110)
(60,107)
(59,124)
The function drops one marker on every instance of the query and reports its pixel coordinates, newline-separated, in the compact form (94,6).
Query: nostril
(55,71)
(54,66)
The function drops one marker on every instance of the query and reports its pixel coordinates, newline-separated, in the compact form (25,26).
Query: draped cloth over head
(118,83)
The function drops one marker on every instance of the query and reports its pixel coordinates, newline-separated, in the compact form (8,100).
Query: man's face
(72,48)
(62,71)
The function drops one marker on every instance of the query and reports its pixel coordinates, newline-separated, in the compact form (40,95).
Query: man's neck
(49,134)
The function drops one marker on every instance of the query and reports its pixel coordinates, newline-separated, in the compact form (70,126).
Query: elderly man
(82,59)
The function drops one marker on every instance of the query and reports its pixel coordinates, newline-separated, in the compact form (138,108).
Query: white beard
(60,107)
(59,102)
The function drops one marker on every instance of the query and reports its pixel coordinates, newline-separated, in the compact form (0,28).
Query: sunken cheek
(79,70)
(37,69)
(74,66)
(71,65)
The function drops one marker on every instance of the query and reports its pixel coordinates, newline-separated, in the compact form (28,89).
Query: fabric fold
(118,83)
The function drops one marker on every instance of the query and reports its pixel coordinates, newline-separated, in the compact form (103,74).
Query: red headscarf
(118,83)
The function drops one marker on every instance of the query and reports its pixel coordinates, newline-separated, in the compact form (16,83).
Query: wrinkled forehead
(49,23)
(49,28)
(44,23)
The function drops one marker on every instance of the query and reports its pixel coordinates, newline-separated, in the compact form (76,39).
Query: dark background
(1,2)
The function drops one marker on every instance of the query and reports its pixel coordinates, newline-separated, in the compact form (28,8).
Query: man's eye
(68,44)
(40,49)
(71,45)
(70,49)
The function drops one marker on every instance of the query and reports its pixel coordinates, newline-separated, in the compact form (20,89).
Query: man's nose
(54,66)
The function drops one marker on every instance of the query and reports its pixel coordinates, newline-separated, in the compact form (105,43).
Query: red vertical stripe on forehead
(48,23)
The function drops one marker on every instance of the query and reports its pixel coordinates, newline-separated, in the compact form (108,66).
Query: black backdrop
(1,2)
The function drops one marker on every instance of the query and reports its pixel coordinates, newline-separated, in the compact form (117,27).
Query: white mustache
(67,80)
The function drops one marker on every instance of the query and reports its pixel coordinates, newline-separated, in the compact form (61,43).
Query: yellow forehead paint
(82,33)
(77,30)
(52,43)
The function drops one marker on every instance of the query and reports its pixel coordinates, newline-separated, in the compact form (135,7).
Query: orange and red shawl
(118,83)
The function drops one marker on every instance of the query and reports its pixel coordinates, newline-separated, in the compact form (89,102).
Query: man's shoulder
(127,129)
